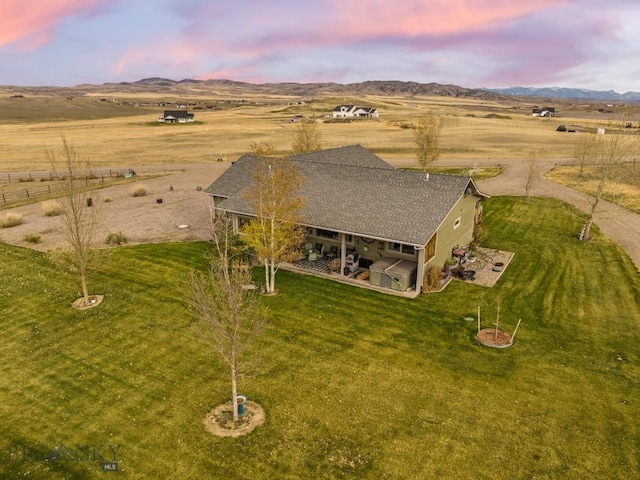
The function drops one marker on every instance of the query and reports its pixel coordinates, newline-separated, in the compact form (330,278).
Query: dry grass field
(624,191)
(112,132)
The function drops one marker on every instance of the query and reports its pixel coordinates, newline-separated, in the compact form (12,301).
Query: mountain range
(373,87)
(575,93)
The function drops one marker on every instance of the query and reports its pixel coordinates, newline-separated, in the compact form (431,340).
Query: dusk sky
(593,44)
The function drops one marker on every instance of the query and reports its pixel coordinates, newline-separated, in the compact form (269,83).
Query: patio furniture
(334,265)
(463,274)
(353,262)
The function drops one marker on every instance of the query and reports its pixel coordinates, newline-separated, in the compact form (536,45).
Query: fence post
(4,199)
(49,187)
(27,190)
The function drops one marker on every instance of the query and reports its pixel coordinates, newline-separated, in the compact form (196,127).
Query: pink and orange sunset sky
(592,44)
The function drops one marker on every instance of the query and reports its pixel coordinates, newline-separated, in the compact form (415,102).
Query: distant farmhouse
(348,111)
(176,116)
(543,112)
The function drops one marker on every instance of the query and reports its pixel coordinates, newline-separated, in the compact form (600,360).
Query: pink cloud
(156,52)
(31,24)
(373,18)
(257,41)
(340,22)
(247,73)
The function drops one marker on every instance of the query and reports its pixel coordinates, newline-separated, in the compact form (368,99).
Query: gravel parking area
(182,215)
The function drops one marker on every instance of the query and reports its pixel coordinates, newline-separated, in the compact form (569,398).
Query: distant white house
(543,112)
(346,111)
(176,116)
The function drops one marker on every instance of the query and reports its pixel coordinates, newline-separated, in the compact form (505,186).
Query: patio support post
(343,252)
(235,224)
(420,272)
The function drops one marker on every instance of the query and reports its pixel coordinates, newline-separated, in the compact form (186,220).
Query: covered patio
(321,268)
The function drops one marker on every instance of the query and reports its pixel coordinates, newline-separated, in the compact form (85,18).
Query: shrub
(116,239)
(52,208)
(10,219)
(432,278)
(32,238)
(139,190)
(107,199)
(495,115)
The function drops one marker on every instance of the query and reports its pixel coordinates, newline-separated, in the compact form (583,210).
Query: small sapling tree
(229,311)
(531,175)
(604,155)
(80,215)
(427,139)
(275,234)
(306,137)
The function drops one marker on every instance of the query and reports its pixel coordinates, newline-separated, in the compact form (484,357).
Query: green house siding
(450,235)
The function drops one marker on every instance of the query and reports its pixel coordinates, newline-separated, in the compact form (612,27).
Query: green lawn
(355,384)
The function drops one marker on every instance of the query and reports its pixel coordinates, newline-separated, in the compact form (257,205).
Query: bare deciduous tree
(80,216)
(229,310)
(532,169)
(275,234)
(583,152)
(427,139)
(306,137)
(605,158)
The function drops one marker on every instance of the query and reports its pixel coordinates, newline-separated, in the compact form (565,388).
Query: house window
(456,223)
(399,247)
(242,221)
(348,238)
(430,249)
(326,234)
(408,249)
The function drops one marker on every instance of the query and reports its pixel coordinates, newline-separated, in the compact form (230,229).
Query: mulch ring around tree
(492,338)
(94,301)
(219,421)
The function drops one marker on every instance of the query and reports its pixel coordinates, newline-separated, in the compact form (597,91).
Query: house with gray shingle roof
(176,116)
(367,219)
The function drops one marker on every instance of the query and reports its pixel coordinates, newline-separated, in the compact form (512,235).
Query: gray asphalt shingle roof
(366,198)
(351,155)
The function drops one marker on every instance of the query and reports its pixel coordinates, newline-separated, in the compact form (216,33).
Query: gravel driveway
(143,219)
(617,223)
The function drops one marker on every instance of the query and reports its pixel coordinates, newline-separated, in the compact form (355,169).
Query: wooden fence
(38,191)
